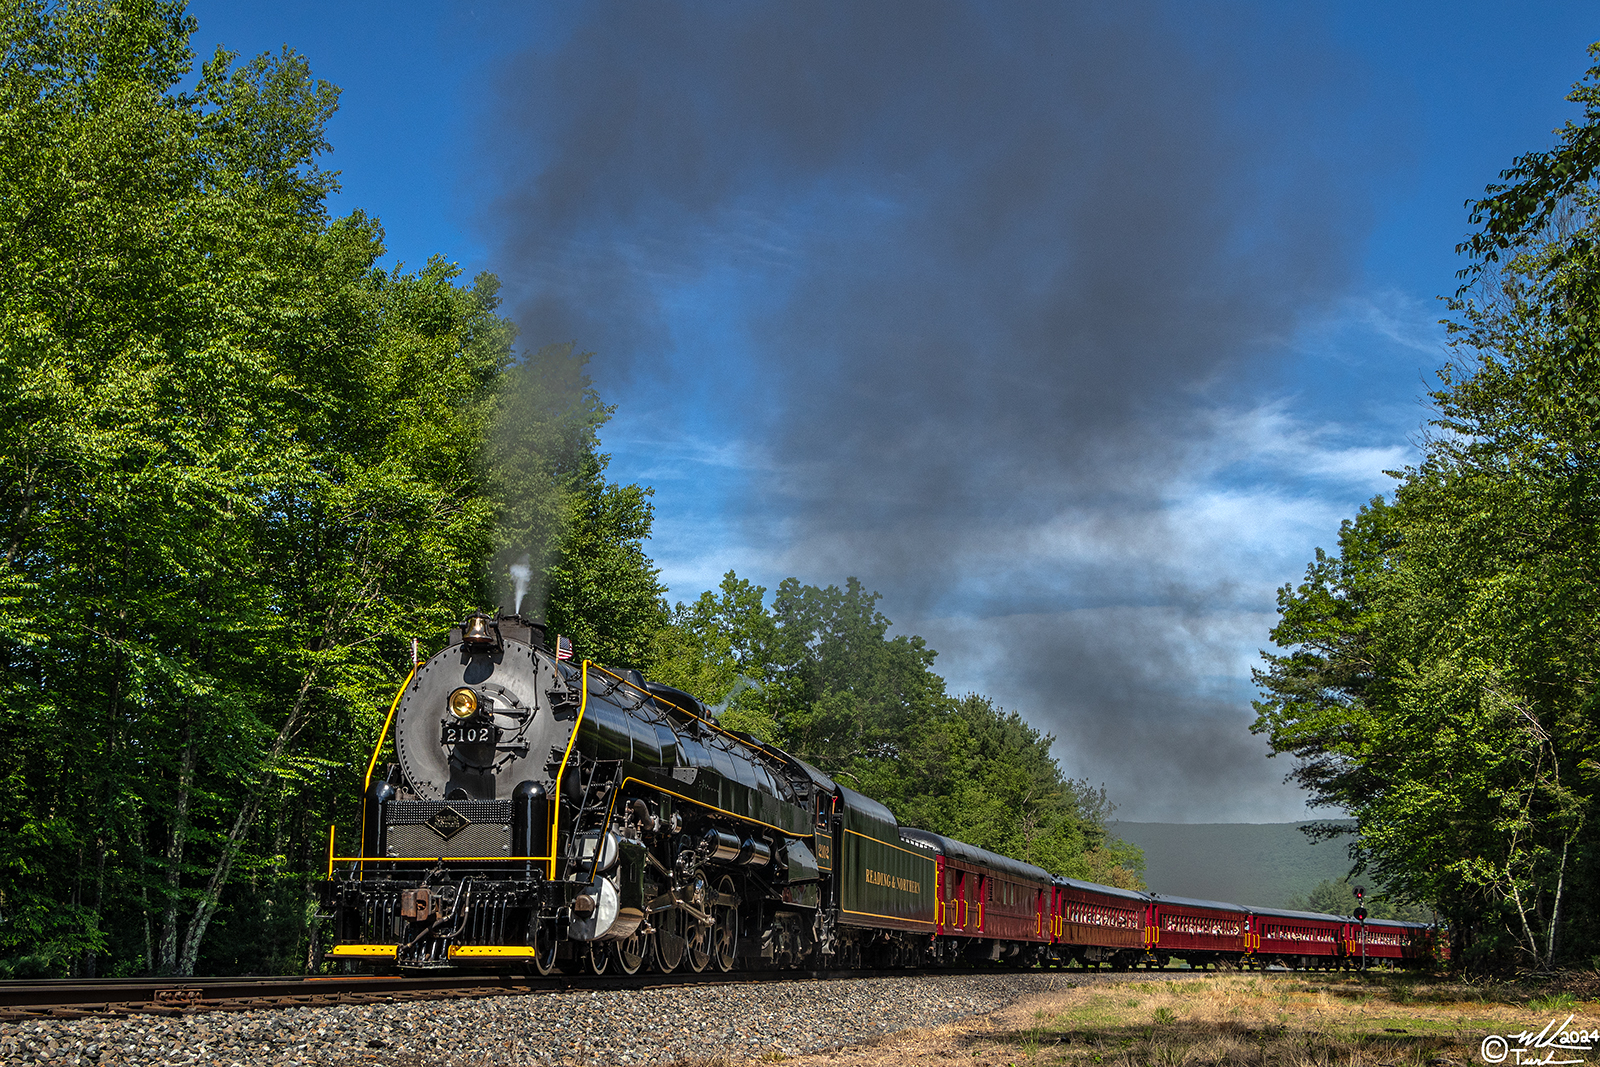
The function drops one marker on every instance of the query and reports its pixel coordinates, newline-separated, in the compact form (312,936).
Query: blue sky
(1073,331)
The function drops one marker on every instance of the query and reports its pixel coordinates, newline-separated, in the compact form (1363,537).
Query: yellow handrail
(379,746)
(555,802)
(710,724)
(373,762)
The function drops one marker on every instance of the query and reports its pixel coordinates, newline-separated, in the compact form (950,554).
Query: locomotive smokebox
(479,719)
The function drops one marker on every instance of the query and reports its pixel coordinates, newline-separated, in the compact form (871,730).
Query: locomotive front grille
(422,828)
(479,839)
(415,812)
(379,917)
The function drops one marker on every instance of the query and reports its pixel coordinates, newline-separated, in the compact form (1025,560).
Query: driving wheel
(544,948)
(630,953)
(598,958)
(672,943)
(725,928)
(699,954)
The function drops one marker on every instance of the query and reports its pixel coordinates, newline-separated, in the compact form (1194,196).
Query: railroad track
(70,998)
(67,998)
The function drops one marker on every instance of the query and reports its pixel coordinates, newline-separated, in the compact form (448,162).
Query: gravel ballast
(647,1026)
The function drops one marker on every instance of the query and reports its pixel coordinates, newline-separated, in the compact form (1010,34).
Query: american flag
(563,648)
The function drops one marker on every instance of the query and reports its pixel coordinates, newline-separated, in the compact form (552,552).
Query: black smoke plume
(990,268)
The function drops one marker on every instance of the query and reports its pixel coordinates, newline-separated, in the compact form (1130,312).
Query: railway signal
(1361,917)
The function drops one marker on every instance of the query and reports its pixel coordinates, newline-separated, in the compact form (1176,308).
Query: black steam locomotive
(550,815)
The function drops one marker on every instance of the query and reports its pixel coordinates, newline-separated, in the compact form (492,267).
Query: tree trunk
(1555,909)
(206,909)
(91,957)
(177,834)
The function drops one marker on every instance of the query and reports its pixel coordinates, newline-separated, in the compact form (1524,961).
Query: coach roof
(1096,887)
(1189,902)
(981,857)
(1280,913)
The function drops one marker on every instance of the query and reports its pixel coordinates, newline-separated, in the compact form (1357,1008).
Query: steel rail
(69,998)
(76,998)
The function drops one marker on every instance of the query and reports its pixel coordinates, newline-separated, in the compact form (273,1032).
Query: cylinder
(374,813)
(530,821)
(718,847)
(754,853)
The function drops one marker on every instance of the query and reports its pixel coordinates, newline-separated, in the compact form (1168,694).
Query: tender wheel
(725,930)
(630,953)
(672,943)
(597,959)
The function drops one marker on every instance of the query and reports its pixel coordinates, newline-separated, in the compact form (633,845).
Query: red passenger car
(989,906)
(1386,942)
(1200,932)
(1298,939)
(1094,923)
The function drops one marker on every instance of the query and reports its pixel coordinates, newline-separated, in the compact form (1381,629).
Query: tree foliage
(1337,896)
(579,536)
(1440,674)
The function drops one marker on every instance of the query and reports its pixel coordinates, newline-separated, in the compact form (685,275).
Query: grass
(1336,1020)
(1555,1002)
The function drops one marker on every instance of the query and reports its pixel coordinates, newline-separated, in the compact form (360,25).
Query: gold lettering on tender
(890,881)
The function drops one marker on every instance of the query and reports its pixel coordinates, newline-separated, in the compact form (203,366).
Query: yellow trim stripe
(330,852)
(690,800)
(899,918)
(436,859)
(923,856)
(363,950)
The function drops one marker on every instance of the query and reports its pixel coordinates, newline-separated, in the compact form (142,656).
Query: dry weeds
(1232,1019)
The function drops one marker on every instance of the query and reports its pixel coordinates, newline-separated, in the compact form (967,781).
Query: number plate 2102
(461,733)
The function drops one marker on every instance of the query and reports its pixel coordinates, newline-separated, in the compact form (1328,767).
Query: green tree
(1441,674)
(149,244)
(718,648)
(1337,896)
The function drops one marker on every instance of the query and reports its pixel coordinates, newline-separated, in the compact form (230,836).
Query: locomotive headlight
(463,703)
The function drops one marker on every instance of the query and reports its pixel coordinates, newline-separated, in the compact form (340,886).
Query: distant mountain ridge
(1264,864)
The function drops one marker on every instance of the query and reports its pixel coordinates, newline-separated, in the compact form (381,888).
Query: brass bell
(477,633)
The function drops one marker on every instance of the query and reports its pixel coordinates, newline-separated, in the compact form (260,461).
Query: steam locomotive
(544,814)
